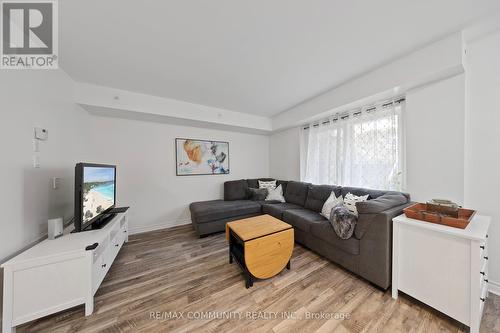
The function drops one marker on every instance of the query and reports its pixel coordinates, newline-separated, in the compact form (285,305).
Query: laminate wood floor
(159,275)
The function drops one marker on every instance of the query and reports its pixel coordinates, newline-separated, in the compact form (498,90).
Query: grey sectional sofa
(367,253)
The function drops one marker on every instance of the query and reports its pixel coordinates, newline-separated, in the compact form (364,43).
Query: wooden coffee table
(261,245)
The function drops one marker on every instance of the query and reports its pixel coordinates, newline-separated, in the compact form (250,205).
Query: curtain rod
(355,112)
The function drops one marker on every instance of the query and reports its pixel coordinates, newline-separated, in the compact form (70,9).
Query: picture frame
(198,157)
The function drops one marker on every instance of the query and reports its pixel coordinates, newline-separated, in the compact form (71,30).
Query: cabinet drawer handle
(486,280)
(482,247)
(486,258)
(103,265)
(125,231)
(483,299)
(482,273)
(117,245)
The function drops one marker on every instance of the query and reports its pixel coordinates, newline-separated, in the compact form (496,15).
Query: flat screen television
(95,193)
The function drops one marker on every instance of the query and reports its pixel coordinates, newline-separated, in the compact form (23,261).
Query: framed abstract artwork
(201,157)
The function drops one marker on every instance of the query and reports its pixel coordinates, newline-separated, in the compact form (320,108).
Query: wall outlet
(55,182)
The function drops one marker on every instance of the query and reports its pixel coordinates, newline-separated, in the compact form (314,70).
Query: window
(363,148)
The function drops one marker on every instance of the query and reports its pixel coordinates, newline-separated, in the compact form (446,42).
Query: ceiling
(260,57)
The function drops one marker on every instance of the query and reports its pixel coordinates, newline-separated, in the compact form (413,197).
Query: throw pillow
(257,194)
(350,202)
(343,221)
(331,202)
(267,184)
(275,194)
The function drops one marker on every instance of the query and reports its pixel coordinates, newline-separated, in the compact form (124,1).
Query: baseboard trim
(167,224)
(494,287)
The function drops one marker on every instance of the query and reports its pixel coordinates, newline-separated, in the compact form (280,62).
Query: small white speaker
(55,228)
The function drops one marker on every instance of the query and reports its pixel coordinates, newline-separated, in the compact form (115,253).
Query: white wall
(29,99)
(482,178)
(144,153)
(285,154)
(434,118)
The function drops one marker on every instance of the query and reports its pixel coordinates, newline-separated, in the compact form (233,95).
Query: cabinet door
(435,269)
(42,290)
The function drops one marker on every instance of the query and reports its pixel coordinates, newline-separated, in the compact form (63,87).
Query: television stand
(58,274)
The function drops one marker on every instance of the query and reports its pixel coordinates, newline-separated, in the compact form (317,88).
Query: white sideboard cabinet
(444,267)
(58,274)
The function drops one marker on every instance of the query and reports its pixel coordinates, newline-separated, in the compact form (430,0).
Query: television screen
(98,191)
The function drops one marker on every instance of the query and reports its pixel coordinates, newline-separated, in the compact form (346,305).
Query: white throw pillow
(275,194)
(270,185)
(331,202)
(350,202)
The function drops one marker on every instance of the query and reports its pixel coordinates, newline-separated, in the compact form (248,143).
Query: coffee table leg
(230,255)
(248,281)
(288,265)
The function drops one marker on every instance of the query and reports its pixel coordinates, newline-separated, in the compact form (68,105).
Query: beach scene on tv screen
(98,191)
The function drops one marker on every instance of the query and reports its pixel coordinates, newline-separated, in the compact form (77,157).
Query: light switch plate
(36,161)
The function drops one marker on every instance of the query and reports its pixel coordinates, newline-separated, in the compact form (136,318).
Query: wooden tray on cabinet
(424,212)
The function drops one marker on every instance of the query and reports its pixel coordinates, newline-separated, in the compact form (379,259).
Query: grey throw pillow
(343,221)
(257,194)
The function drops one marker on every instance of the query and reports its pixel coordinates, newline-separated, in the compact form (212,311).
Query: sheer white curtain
(362,148)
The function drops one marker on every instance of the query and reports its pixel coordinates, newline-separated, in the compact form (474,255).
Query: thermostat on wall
(41,133)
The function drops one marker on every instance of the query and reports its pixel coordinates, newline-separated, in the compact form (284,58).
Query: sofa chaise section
(211,216)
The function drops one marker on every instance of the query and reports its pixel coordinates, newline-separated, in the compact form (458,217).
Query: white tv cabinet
(55,275)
